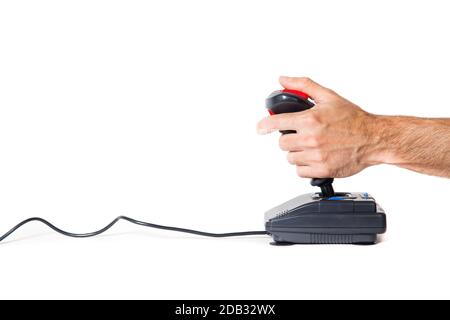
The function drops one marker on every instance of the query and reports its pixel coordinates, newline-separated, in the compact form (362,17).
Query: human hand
(334,139)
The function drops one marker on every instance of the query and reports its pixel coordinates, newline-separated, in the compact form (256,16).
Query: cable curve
(134,221)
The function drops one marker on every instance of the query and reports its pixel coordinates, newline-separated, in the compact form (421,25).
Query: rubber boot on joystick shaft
(325,184)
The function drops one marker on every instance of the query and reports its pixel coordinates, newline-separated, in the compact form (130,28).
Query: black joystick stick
(325,184)
(287,101)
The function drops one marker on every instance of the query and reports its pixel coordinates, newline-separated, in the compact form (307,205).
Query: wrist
(382,132)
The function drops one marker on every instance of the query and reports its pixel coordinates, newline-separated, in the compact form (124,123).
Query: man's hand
(336,138)
(332,138)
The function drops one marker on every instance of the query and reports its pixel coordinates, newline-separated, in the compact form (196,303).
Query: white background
(148,108)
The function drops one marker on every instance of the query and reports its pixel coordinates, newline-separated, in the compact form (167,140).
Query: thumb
(306,85)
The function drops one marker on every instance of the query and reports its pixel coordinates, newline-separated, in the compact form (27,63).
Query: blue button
(365,194)
(336,198)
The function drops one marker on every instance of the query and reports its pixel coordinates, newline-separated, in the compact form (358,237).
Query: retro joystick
(287,101)
(326,217)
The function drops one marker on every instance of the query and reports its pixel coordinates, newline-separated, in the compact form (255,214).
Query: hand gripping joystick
(286,101)
(347,217)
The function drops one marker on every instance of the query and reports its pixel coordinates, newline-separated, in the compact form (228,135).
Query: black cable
(141,223)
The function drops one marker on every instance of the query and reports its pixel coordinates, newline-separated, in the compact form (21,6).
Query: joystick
(325,184)
(325,217)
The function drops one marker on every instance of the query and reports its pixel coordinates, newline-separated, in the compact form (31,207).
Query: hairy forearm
(418,144)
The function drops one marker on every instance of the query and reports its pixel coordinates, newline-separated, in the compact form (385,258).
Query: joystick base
(347,218)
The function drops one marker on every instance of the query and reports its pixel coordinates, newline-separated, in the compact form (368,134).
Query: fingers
(284,121)
(298,141)
(305,157)
(306,85)
(311,172)
(309,163)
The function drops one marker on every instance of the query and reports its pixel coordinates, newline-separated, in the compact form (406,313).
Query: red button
(298,93)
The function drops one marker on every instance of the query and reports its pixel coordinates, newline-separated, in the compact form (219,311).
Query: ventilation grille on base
(321,238)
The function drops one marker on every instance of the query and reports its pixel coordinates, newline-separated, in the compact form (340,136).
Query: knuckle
(314,141)
(312,119)
(305,80)
(326,171)
(321,156)
(331,92)
(294,119)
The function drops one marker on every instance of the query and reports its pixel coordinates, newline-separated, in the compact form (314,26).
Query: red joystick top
(296,92)
(287,101)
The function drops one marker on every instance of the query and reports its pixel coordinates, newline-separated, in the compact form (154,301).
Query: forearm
(418,144)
